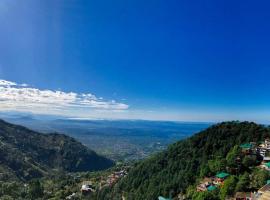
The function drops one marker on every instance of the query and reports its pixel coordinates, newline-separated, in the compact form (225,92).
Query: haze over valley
(120,140)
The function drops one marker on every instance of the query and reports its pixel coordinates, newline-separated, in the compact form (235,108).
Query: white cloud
(7,83)
(21,97)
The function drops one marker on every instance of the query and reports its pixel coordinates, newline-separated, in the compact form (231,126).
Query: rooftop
(244,195)
(266,158)
(163,198)
(265,196)
(246,146)
(211,188)
(267,164)
(265,188)
(222,175)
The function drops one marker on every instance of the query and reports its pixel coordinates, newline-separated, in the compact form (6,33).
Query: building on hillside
(245,196)
(246,148)
(211,188)
(220,177)
(120,173)
(264,192)
(115,176)
(87,187)
(265,188)
(264,149)
(201,187)
(265,196)
(204,184)
(112,179)
(267,143)
(266,159)
(163,198)
(261,151)
(267,166)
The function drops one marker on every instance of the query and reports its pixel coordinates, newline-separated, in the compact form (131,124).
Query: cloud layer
(21,97)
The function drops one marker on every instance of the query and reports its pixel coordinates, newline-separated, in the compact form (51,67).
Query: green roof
(162,198)
(246,146)
(267,164)
(268,182)
(222,175)
(211,188)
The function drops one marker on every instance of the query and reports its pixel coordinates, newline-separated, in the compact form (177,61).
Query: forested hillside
(174,172)
(183,163)
(25,154)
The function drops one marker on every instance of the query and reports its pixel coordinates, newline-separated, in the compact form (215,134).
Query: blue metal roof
(162,198)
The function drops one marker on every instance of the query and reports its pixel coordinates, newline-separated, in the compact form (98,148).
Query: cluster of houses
(262,194)
(252,148)
(88,187)
(212,183)
(115,176)
(263,150)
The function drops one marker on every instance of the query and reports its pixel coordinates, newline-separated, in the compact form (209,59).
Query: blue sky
(169,60)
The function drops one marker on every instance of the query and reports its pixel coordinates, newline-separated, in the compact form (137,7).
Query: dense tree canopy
(205,153)
(26,154)
(176,171)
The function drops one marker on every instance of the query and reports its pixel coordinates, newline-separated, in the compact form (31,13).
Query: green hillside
(181,166)
(25,154)
(219,151)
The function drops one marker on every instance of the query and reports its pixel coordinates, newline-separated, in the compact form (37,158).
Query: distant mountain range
(115,139)
(26,154)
